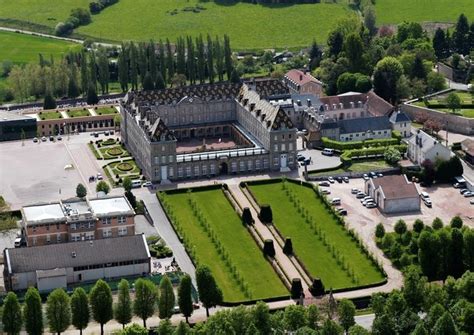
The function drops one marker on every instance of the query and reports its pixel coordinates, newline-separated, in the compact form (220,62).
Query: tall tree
(414,288)
(58,311)
(148,82)
(146,296)
(314,55)
(142,62)
(80,309)
(210,59)
(152,61)
(72,89)
(353,48)
(180,56)
(468,252)
(167,298)
(160,82)
(122,64)
(190,60)
(33,312)
(260,315)
(133,66)
(209,293)
(93,70)
(49,102)
(219,56)
(346,312)
(370,20)
(445,325)
(84,73)
(228,57)
(100,299)
(335,42)
(169,61)
(439,44)
(123,307)
(92,98)
(103,71)
(418,70)
(11,316)
(457,248)
(185,300)
(81,191)
(386,75)
(201,59)
(162,61)
(461,35)
(428,257)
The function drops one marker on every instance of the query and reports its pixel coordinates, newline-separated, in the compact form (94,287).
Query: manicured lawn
(317,250)
(249,26)
(110,152)
(244,254)
(356,166)
(106,110)
(78,113)
(21,48)
(462,112)
(51,115)
(135,170)
(396,11)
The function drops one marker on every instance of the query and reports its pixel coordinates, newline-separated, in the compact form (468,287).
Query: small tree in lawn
(266,215)
(127,184)
(346,311)
(167,298)
(247,216)
(123,307)
(437,223)
(418,225)
(58,311)
(81,191)
(268,248)
(33,312)
(100,299)
(400,227)
(102,186)
(11,316)
(80,309)
(453,101)
(456,222)
(288,247)
(146,295)
(209,293)
(185,300)
(379,231)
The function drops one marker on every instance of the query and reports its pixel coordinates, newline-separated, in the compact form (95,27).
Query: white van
(336,201)
(328,152)
(136,183)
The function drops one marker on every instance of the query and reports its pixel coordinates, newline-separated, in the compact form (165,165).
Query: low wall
(454,123)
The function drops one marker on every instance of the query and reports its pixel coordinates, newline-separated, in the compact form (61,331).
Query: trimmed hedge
(347,156)
(342,146)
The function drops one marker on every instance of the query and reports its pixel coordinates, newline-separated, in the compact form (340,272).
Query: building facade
(59,265)
(302,82)
(422,146)
(157,125)
(77,220)
(401,123)
(14,126)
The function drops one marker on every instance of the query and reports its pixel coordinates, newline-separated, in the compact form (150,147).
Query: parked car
(328,152)
(468,194)
(307,161)
(463,190)
(379,175)
(99,176)
(365,176)
(368,201)
(51,138)
(471,202)
(35,140)
(325,191)
(424,195)
(91,179)
(331,180)
(147,184)
(342,211)
(372,175)
(106,133)
(43,139)
(336,201)
(324,183)
(17,242)
(366,198)
(59,138)
(371,205)
(345,179)
(300,158)
(427,202)
(459,185)
(354,190)
(361,195)
(339,180)
(136,183)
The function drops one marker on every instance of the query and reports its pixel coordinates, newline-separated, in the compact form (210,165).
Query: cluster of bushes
(158,248)
(347,156)
(436,250)
(342,146)
(353,82)
(440,171)
(96,6)
(78,17)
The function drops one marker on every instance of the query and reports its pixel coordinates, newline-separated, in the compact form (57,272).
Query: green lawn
(106,110)
(249,26)
(21,48)
(325,253)
(78,113)
(115,171)
(469,113)
(356,166)
(50,115)
(396,11)
(245,255)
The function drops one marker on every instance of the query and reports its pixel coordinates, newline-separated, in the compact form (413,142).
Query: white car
(365,198)
(44,139)
(35,140)
(371,205)
(354,191)
(99,176)
(331,180)
(365,176)
(368,201)
(147,184)
(361,195)
(471,202)
(468,194)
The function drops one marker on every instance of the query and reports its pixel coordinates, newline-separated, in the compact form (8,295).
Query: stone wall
(454,123)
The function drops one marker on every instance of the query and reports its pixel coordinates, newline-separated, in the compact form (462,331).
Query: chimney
(269,123)
(258,112)
(252,106)
(298,102)
(301,77)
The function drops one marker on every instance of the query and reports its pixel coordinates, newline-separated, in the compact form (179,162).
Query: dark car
(342,211)
(307,161)
(301,158)
(339,180)
(324,183)
(346,179)
(51,138)
(373,175)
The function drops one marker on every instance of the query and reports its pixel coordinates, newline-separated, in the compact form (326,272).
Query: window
(170,159)
(107,233)
(204,170)
(123,231)
(275,147)
(163,159)
(171,172)
(73,226)
(283,137)
(275,137)
(58,238)
(213,169)
(90,236)
(122,219)
(289,136)
(242,165)
(290,146)
(196,170)
(250,165)
(75,237)
(258,164)
(163,148)
(265,163)
(48,238)
(180,172)
(234,167)
(188,171)
(283,147)
(276,161)
(157,160)
(106,221)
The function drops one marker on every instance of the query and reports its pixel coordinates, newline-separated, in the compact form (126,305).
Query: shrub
(268,248)
(63,29)
(392,155)
(288,247)
(395,251)
(387,241)
(400,227)
(405,260)
(418,226)
(456,222)
(317,287)
(437,223)
(266,215)
(247,216)
(296,288)
(379,231)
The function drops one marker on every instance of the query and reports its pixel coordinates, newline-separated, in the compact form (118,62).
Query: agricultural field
(325,247)
(21,48)
(215,236)
(397,11)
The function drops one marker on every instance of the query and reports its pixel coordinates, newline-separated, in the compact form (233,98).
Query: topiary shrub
(296,288)
(266,215)
(317,287)
(288,247)
(268,248)
(124,166)
(247,216)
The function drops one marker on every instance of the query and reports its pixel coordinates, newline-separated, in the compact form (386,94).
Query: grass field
(396,11)
(356,166)
(316,250)
(106,110)
(244,253)
(21,48)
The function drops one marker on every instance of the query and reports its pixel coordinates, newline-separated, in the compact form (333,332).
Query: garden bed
(213,235)
(131,168)
(50,115)
(78,113)
(320,241)
(106,110)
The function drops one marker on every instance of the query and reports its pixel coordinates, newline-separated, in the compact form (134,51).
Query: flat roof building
(14,126)
(59,265)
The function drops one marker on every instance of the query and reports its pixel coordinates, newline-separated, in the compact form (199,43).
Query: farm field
(244,254)
(396,11)
(325,247)
(21,48)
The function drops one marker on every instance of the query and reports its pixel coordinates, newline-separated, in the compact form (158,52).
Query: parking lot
(447,202)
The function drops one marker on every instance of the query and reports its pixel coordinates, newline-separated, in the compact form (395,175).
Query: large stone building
(77,220)
(210,129)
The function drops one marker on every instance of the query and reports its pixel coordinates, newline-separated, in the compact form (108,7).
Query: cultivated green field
(326,252)
(396,11)
(21,48)
(243,252)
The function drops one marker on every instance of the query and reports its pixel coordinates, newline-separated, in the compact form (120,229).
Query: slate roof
(118,249)
(423,140)
(395,187)
(329,124)
(361,125)
(399,116)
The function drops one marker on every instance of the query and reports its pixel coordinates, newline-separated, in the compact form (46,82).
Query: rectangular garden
(214,235)
(320,241)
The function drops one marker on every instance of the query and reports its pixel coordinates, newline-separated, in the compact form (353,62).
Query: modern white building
(393,194)
(422,146)
(59,265)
